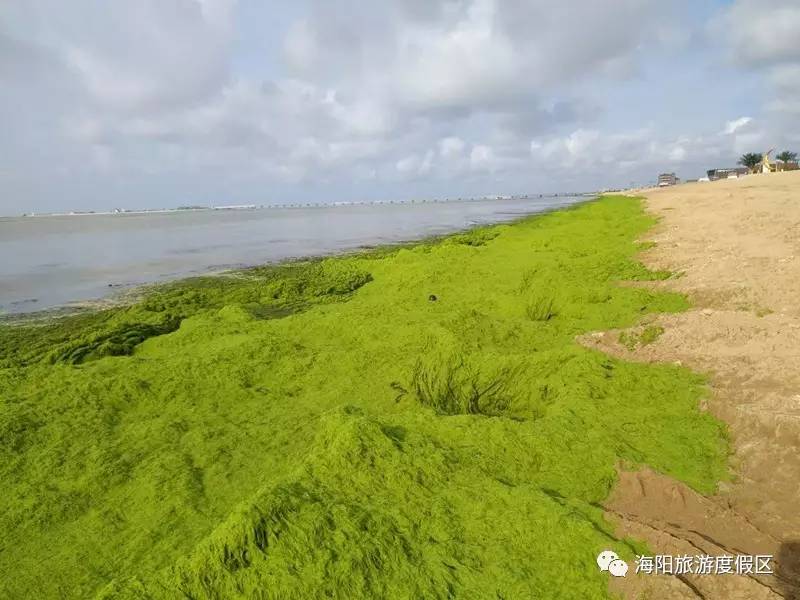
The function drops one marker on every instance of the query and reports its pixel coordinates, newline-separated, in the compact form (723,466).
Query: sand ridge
(736,247)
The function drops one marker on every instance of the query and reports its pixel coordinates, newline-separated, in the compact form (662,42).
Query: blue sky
(169,102)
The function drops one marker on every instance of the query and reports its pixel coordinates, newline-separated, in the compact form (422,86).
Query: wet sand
(736,244)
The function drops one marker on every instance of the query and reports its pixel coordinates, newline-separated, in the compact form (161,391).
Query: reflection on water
(51,261)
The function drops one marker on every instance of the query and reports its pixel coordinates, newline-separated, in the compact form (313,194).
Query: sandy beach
(737,245)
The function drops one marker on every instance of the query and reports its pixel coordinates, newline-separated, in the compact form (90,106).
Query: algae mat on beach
(408,422)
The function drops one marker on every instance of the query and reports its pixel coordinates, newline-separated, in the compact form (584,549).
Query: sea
(60,261)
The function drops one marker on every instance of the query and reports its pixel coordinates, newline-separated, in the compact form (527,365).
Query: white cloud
(300,46)
(763,31)
(407,164)
(184,95)
(642,153)
(148,54)
(580,142)
(764,35)
(678,154)
(451,65)
(451,147)
(735,125)
(785,80)
(427,162)
(415,165)
(482,158)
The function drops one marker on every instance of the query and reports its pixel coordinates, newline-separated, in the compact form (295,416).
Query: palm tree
(787,156)
(750,160)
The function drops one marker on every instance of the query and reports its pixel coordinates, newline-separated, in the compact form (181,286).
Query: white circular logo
(618,568)
(608,560)
(604,559)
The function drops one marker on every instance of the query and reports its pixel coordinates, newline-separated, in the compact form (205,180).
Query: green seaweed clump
(648,335)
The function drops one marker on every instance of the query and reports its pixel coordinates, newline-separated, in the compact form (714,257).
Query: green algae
(632,340)
(324,429)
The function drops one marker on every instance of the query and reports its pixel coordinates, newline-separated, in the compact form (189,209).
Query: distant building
(767,166)
(667,179)
(715,174)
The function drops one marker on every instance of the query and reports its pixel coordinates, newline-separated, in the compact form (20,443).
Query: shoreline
(123,294)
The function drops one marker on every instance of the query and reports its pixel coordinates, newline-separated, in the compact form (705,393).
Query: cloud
(591,149)
(735,125)
(142,55)
(472,55)
(482,158)
(642,153)
(763,32)
(403,97)
(785,81)
(763,35)
(415,165)
(487,61)
(451,147)
(300,46)
(408,164)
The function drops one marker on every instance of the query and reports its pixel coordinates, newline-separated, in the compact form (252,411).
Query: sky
(160,103)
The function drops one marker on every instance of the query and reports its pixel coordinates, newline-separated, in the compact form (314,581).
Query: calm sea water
(47,262)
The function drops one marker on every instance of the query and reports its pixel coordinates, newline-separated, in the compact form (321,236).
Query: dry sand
(737,245)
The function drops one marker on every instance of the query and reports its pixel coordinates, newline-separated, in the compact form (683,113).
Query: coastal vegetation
(754,160)
(750,160)
(415,421)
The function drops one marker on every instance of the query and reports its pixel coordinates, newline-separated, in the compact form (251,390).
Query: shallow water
(47,262)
